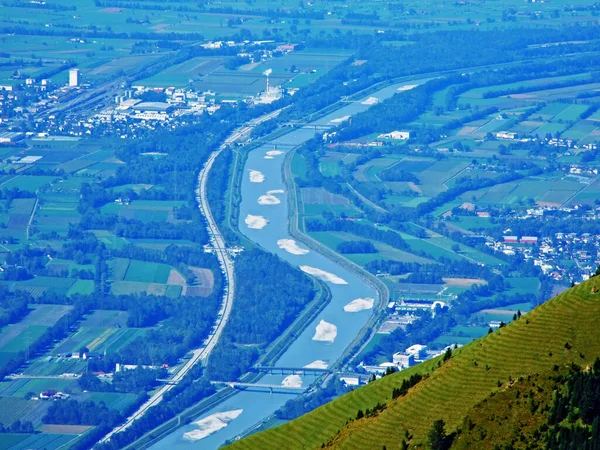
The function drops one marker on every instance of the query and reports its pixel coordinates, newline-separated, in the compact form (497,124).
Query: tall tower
(73,77)
(267,73)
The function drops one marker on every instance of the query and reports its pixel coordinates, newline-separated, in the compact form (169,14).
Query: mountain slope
(564,330)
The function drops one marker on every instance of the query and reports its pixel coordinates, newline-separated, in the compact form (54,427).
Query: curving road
(218,243)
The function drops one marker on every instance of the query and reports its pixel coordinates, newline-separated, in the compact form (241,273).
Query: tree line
(269,296)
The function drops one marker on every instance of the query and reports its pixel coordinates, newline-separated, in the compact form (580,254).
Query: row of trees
(72,412)
(356,247)
(137,381)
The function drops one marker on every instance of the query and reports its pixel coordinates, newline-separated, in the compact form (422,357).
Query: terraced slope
(508,416)
(564,330)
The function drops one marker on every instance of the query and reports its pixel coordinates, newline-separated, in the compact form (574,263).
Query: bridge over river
(262,387)
(292,370)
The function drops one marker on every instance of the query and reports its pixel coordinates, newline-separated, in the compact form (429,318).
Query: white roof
(415,348)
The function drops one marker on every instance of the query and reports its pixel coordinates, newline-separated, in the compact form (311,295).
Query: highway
(218,244)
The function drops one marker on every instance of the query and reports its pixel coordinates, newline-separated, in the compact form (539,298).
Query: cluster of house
(52,394)
(549,253)
(46,95)
(555,142)
(81,355)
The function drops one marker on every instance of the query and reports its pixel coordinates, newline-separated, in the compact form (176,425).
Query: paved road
(201,354)
(44,377)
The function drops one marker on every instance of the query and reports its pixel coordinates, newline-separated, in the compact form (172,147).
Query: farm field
(102,332)
(15,408)
(147,272)
(505,313)
(16,337)
(110,239)
(21,387)
(543,191)
(136,277)
(28,182)
(112,400)
(42,284)
(48,441)
(181,75)
(144,210)
(333,239)
(460,335)
(43,366)
(315,201)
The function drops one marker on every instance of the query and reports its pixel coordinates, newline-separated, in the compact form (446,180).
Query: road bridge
(307,126)
(291,370)
(72,376)
(263,387)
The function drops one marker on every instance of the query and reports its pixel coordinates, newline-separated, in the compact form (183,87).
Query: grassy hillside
(509,415)
(564,330)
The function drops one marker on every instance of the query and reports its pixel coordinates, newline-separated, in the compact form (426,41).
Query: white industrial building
(396,135)
(73,77)
(403,360)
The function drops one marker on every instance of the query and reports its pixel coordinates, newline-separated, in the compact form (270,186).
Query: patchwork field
(144,210)
(134,277)
(14,408)
(100,332)
(15,338)
(48,441)
(147,272)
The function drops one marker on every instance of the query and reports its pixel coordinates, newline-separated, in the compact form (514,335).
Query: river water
(263,180)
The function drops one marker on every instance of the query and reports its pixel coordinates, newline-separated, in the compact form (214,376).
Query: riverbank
(338,333)
(300,234)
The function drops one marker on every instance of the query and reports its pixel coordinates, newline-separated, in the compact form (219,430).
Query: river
(263,179)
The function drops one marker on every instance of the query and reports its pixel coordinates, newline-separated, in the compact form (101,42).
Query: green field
(14,408)
(55,367)
(102,331)
(58,266)
(330,169)
(10,440)
(528,285)
(44,441)
(332,239)
(112,400)
(147,272)
(299,166)
(82,287)
(20,388)
(181,75)
(110,240)
(28,182)
(91,338)
(17,337)
(41,284)
(144,210)
(118,268)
